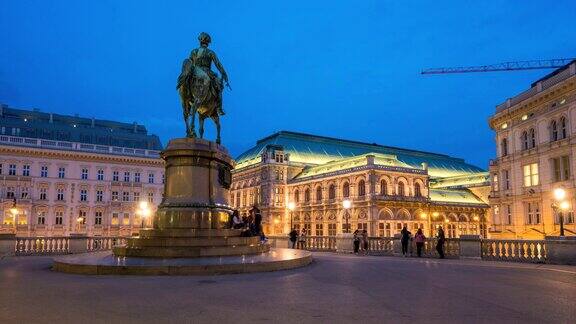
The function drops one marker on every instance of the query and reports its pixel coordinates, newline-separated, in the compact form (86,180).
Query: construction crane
(507,66)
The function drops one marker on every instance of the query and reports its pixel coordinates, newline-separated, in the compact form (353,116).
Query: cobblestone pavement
(334,289)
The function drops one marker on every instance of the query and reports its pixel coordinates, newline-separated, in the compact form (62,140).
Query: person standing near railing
(405,239)
(365,241)
(420,239)
(440,243)
(302,239)
(293,237)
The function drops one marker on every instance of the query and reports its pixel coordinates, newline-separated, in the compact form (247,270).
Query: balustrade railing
(320,243)
(514,250)
(381,245)
(41,245)
(98,243)
(61,245)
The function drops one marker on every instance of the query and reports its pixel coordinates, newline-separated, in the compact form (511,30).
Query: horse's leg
(193,109)
(201,122)
(186,115)
(216,120)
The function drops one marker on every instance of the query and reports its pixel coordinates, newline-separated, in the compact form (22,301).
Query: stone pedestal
(561,250)
(192,219)
(345,243)
(7,244)
(470,247)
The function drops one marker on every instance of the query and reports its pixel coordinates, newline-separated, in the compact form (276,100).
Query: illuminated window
(115,219)
(126,219)
(531,175)
(495,186)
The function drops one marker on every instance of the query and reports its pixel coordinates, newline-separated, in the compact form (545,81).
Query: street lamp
(346,203)
(14,212)
(291,207)
(560,203)
(143,211)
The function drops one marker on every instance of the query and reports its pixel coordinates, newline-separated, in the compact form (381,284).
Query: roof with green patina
(455,196)
(316,150)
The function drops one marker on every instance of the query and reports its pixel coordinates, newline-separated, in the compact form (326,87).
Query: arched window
(504,147)
(307,195)
(417,191)
(296,196)
(332,192)
(361,188)
(346,190)
(401,189)
(318,194)
(524,139)
(553,131)
(563,132)
(532,138)
(383,188)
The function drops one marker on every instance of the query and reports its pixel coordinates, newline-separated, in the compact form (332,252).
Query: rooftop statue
(201,89)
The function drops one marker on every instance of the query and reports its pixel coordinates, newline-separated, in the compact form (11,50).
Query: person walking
(405,239)
(293,237)
(420,239)
(440,243)
(356,241)
(302,239)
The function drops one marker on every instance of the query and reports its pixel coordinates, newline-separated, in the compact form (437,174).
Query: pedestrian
(365,241)
(356,241)
(405,239)
(440,243)
(293,237)
(236,221)
(420,239)
(302,239)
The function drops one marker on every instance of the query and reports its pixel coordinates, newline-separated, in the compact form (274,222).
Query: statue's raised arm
(200,88)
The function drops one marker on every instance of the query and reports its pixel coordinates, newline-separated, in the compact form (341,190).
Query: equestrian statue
(201,89)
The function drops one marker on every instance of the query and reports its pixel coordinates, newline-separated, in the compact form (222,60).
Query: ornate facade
(59,186)
(535,144)
(388,187)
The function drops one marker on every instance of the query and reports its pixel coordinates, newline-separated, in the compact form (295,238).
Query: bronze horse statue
(200,89)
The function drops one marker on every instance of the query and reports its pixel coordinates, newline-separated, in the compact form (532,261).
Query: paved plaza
(333,289)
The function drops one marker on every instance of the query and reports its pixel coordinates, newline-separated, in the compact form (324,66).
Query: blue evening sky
(348,69)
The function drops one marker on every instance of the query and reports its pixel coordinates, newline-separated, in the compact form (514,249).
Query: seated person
(236,221)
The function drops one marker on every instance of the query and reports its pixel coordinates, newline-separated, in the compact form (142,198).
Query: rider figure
(203,57)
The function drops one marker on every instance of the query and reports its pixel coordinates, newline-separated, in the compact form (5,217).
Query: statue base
(190,224)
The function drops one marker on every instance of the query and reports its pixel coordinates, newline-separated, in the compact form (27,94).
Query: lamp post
(143,211)
(291,207)
(346,203)
(560,203)
(14,212)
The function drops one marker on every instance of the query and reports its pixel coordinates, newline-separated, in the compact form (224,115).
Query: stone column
(78,243)
(470,247)
(345,243)
(7,244)
(560,250)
